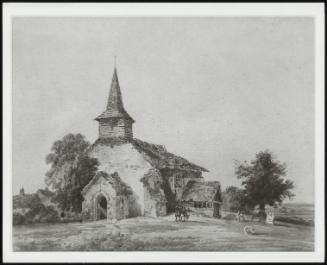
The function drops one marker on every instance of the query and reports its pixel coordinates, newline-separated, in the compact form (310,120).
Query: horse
(181,214)
(184,214)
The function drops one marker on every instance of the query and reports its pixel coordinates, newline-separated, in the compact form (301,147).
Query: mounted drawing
(225,110)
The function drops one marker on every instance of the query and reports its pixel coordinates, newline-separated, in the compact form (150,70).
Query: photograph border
(315,10)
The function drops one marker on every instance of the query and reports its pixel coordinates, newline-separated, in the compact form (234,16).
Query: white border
(180,10)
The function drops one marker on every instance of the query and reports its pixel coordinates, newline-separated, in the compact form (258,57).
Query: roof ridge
(112,178)
(165,155)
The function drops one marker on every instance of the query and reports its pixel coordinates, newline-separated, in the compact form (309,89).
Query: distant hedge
(36,214)
(25,201)
(18,219)
(294,220)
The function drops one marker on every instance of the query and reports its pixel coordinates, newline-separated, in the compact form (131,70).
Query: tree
(234,199)
(263,180)
(71,170)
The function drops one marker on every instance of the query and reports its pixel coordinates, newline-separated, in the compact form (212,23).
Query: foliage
(71,170)
(234,199)
(38,213)
(33,214)
(25,201)
(263,180)
(18,219)
(49,215)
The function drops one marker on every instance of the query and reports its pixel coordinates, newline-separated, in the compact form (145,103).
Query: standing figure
(240,215)
(177,212)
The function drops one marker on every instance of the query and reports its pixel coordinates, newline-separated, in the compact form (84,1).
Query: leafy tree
(263,180)
(234,199)
(71,170)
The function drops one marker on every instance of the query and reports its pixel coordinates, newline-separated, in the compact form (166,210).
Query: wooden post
(216,206)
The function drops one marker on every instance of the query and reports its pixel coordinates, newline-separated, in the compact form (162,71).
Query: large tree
(71,169)
(263,180)
(234,199)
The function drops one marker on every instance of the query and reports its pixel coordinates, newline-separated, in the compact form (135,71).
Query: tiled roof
(119,186)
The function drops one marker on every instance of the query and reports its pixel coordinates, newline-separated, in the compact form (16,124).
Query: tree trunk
(262,207)
(262,212)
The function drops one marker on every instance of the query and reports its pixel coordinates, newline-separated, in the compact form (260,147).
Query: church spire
(115,101)
(115,121)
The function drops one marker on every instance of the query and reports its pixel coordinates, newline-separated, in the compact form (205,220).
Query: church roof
(115,107)
(157,155)
(164,159)
(118,185)
(202,191)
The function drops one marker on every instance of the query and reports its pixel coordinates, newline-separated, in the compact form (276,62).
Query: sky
(213,90)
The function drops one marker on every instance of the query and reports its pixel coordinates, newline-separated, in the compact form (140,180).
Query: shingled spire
(115,101)
(115,121)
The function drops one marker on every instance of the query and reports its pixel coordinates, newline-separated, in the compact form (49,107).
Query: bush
(18,219)
(230,217)
(32,216)
(49,215)
(259,216)
(37,214)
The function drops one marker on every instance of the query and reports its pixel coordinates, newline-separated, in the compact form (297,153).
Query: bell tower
(115,122)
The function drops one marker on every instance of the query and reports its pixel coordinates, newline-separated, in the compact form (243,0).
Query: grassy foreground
(162,234)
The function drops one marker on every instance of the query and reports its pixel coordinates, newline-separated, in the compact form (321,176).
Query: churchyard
(163,234)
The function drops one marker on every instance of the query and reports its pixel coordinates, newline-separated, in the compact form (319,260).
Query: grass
(162,234)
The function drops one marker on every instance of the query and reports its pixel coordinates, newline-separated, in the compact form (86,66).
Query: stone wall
(153,208)
(122,207)
(126,207)
(128,163)
(154,195)
(100,188)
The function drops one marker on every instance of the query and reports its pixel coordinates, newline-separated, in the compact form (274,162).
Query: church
(135,178)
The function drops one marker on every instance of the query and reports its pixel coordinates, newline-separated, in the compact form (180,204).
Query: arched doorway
(101,207)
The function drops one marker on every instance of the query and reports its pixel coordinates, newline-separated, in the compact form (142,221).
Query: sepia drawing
(203,140)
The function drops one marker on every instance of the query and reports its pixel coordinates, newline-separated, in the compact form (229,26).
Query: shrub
(230,217)
(49,215)
(18,219)
(37,214)
(32,216)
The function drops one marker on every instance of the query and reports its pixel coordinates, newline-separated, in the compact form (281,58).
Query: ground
(163,234)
